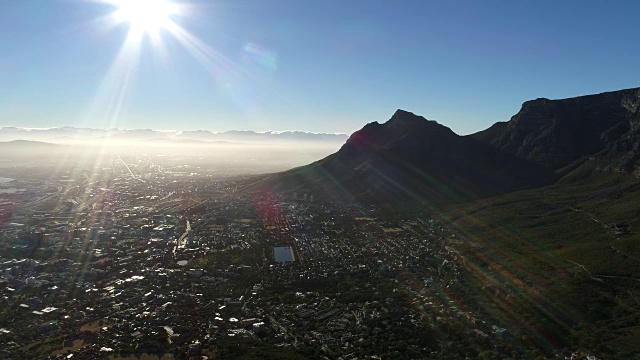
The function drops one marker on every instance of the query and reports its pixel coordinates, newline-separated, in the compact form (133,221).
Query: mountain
(268,136)
(557,264)
(411,158)
(71,134)
(26,145)
(174,141)
(138,135)
(602,128)
(34,152)
(571,246)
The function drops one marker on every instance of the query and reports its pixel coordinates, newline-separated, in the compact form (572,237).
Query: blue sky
(325,66)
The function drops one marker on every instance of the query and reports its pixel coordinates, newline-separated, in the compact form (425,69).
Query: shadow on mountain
(411,159)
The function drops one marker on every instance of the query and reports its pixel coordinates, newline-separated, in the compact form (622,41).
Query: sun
(145,15)
(155,22)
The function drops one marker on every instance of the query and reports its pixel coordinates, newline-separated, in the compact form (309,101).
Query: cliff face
(556,133)
(623,153)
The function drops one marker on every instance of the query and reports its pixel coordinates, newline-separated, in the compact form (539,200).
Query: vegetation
(563,262)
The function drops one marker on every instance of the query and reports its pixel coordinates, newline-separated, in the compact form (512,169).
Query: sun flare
(145,15)
(154,21)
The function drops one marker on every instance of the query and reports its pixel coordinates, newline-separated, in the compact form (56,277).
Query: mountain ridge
(89,134)
(411,159)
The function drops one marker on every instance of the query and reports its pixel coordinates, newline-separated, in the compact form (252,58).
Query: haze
(218,154)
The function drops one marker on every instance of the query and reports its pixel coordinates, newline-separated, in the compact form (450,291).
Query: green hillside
(562,262)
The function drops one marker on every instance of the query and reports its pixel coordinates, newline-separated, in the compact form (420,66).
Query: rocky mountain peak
(556,133)
(408,121)
(405,117)
(403,126)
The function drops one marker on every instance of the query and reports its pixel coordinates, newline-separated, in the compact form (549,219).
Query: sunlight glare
(145,15)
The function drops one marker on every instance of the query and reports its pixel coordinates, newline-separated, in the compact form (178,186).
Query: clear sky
(325,66)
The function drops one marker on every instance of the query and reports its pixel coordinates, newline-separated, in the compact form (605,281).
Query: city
(132,258)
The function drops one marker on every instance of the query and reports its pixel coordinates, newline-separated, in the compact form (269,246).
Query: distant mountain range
(71,134)
(409,158)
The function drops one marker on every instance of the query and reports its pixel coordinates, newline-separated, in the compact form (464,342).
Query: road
(181,240)
(127,166)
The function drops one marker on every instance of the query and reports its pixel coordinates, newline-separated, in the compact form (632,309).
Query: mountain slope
(560,263)
(409,158)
